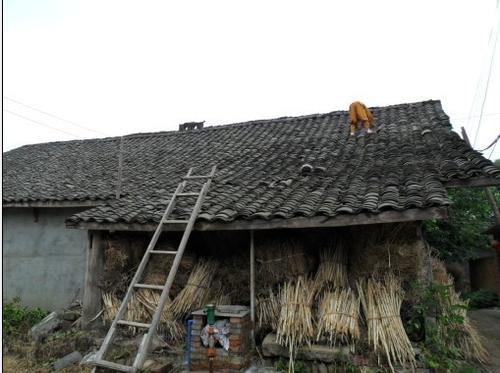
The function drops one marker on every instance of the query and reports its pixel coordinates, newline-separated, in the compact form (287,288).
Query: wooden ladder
(98,361)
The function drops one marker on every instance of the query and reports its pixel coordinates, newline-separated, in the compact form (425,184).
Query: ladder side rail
(109,336)
(142,352)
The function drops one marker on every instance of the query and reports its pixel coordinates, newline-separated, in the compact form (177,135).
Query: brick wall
(240,346)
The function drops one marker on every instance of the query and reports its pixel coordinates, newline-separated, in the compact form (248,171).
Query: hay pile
(158,268)
(279,261)
(142,304)
(123,255)
(376,250)
(338,317)
(439,273)
(468,341)
(169,327)
(381,302)
(295,323)
(463,336)
(196,292)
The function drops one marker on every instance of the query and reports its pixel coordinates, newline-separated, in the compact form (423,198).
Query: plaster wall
(43,261)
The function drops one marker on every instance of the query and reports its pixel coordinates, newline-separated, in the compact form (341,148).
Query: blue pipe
(189,343)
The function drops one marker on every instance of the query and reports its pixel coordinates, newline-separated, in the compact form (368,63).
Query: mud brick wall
(240,346)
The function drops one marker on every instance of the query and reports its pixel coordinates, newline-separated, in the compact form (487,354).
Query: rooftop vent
(190,126)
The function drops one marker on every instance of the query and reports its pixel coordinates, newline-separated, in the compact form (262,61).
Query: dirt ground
(488,324)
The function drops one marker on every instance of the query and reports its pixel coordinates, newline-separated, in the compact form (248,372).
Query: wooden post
(92,297)
(252,283)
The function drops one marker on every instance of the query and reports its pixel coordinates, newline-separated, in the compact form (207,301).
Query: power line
(476,116)
(493,143)
(42,124)
(489,74)
(55,116)
(492,150)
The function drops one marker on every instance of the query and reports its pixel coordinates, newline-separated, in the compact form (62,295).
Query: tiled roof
(259,164)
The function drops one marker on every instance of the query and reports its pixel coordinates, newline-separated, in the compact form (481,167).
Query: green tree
(461,237)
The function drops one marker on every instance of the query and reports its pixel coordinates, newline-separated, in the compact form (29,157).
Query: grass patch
(482,299)
(18,319)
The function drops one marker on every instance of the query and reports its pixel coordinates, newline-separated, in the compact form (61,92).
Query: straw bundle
(468,341)
(280,260)
(168,326)
(135,311)
(332,268)
(439,273)
(338,316)
(158,268)
(381,304)
(295,323)
(465,337)
(268,311)
(196,291)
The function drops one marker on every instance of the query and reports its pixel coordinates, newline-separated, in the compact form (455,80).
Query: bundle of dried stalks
(332,268)
(158,268)
(439,273)
(196,291)
(466,338)
(168,326)
(278,261)
(268,311)
(381,305)
(468,341)
(219,299)
(338,317)
(295,323)
(135,310)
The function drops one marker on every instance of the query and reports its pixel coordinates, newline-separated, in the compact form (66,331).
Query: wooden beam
(252,284)
(293,223)
(82,203)
(92,297)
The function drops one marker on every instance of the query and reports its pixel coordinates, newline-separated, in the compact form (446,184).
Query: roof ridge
(223,126)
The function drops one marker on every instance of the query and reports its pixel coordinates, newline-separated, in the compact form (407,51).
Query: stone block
(316,352)
(45,327)
(68,360)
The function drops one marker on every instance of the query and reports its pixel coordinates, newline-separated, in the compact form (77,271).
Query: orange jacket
(359,112)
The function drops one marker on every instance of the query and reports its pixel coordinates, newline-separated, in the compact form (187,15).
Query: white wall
(43,262)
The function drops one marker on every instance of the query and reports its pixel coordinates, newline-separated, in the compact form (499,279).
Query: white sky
(120,67)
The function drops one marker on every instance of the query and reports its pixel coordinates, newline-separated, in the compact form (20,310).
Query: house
(63,200)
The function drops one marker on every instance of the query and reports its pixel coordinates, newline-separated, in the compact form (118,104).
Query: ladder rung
(175,221)
(188,194)
(163,252)
(197,177)
(147,286)
(114,366)
(133,323)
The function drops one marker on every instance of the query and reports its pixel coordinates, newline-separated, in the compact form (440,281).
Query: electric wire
(489,75)
(492,150)
(41,123)
(55,116)
(489,146)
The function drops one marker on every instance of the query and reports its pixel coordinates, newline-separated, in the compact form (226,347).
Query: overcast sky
(119,67)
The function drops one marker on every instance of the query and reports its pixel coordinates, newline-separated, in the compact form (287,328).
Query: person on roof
(358,112)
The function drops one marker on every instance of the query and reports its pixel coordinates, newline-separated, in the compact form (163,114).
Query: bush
(482,299)
(17,319)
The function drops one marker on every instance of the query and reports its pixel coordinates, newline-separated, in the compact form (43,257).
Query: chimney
(191,126)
